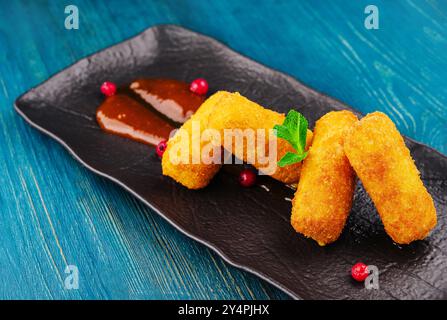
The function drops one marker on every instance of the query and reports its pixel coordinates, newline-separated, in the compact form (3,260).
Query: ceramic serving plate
(248,227)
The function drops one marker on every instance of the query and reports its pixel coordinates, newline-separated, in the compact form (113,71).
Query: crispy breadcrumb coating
(191,175)
(225,110)
(378,154)
(323,198)
(237,112)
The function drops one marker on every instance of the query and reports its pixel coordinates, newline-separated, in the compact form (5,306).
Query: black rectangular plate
(249,228)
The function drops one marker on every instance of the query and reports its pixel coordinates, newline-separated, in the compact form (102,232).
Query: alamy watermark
(372,18)
(372,281)
(71,281)
(197,146)
(72,19)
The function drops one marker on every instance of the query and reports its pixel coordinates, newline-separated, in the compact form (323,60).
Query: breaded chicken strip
(191,175)
(324,195)
(378,154)
(237,112)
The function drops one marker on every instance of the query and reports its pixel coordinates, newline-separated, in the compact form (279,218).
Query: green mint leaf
(294,131)
(296,124)
(292,120)
(302,133)
(291,158)
(282,132)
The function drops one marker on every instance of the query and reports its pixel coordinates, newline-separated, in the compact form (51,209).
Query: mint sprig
(294,131)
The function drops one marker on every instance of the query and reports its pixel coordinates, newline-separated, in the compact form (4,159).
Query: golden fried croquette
(237,112)
(191,175)
(324,195)
(225,110)
(378,154)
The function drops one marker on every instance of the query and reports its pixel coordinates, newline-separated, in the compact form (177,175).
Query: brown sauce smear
(148,110)
(121,115)
(169,97)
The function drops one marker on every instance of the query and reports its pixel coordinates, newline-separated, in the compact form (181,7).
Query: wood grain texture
(56,213)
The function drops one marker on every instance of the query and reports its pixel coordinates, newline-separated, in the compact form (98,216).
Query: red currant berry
(360,271)
(108,88)
(161,148)
(247,178)
(199,86)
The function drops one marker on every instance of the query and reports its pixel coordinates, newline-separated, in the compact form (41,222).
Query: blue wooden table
(55,213)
